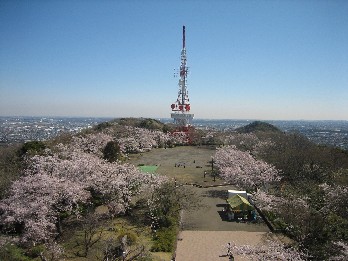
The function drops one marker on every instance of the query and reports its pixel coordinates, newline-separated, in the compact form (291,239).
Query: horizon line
(164,118)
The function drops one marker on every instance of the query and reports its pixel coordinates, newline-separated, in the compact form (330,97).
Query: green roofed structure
(239,203)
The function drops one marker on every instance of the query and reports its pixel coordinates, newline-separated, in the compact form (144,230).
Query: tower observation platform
(181,107)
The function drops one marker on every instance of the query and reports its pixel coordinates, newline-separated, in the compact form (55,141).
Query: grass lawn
(186,164)
(148,168)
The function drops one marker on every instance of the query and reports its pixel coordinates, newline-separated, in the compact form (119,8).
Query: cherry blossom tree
(315,218)
(335,199)
(270,250)
(61,179)
(242,169)
(116,183)
(35,202)
(342,253)
(243,141)
(266,201)
(135,140)
(91,143)
(131,139)
(53,252)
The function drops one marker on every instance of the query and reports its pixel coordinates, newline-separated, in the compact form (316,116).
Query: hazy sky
(248,59)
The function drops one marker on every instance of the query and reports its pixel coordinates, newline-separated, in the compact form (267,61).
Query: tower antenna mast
(183,37)
(181,107)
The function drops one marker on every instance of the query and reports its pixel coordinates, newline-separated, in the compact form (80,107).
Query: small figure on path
(229,249)
(229,252)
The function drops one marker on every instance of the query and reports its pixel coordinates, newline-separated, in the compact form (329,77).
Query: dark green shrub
(35,147)
(279,224)
(102,126)
(270,215)
(151,124)
(164,240)
(35,251)
(10,167)
(112,151)
(12,252)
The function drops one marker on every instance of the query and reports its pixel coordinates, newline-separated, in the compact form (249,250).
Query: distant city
(332,133)
(23,129)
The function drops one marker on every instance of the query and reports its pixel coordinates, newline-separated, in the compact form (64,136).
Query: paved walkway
(211,245)
(206,232)
(210,217)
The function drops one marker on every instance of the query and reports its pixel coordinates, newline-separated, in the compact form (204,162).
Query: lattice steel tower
(181,107)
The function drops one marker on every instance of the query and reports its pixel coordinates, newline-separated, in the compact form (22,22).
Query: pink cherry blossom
(272,250)
(35,201)
(242,169)
(65,177)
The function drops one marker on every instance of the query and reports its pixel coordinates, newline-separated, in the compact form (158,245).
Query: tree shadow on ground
(216,194)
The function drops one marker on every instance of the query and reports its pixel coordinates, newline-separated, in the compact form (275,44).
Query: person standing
(229,252)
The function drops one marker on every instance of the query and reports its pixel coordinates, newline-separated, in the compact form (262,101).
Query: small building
(240,209)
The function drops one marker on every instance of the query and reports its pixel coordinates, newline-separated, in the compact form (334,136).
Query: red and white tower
(181,107)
